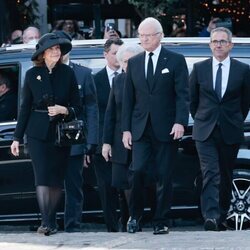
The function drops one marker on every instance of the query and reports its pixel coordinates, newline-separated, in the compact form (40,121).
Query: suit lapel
(106,79)
(161,63)
(209,70)
(230,81)
(141,62)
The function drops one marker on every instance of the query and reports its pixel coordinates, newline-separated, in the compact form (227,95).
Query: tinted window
(95,63)
(8,92)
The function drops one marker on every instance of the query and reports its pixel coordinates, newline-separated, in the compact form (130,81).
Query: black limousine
(17,190)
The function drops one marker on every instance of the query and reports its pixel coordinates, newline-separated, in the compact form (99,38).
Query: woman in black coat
(112,134)
(50,94)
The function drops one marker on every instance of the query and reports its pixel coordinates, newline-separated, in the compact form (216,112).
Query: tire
(239,212)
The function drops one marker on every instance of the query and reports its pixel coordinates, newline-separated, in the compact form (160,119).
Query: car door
(16,176)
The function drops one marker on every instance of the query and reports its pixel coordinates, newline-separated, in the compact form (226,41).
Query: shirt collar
(226,61)
(156,51)
(111,71)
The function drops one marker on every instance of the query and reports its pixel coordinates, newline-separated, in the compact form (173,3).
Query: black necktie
(218,81)
(150,70)
(115,73)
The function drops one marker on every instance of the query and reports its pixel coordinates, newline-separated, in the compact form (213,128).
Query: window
(8,92)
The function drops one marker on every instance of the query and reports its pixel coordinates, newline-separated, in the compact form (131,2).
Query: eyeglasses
(148,35)
(220,42)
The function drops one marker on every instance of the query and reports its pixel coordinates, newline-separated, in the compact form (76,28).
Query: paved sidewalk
(177,239)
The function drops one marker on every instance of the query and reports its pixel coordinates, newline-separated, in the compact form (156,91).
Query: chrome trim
(37,216)
(95,42)
(8,123)
(15,161)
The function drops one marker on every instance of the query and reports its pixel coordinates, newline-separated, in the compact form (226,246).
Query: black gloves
(90,149)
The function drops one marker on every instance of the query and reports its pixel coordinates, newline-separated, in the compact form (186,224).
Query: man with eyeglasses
(219,104)
(154,114)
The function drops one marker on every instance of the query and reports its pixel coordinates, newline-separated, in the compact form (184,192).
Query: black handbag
(70,133)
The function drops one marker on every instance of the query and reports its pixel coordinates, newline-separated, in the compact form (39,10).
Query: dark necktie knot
(115,73)
(151,54)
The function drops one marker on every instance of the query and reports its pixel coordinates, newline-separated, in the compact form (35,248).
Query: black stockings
(123,203)
(48,199)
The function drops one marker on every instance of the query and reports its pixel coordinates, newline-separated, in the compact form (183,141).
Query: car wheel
(239,212)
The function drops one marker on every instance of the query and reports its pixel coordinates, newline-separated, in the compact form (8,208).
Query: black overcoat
(112,131)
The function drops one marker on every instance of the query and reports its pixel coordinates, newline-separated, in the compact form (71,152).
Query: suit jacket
(165,104)
(38,84)
(206,108)
(112,132)
(102,90)
(90,113)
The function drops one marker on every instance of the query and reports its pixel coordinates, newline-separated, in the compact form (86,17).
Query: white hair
(151,21)
(133,48)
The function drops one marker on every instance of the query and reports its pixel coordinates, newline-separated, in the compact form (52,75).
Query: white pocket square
(164,71)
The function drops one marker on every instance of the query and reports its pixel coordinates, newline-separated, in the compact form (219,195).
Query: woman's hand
(15,148)
(57,110)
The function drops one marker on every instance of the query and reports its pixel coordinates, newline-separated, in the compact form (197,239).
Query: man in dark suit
(74,173)
(8,99)
(220,96)
(103,169)
(155,111)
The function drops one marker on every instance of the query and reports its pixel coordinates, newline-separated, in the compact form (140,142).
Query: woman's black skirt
(49,162)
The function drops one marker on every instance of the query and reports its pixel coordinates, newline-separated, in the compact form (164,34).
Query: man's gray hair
(133,48)
(222,29)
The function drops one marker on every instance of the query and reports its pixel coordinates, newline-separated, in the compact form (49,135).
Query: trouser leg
(108,194)
(73,193)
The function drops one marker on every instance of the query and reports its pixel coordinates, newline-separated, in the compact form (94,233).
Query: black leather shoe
(72,230)
(211,225)
(121,226)
(133,225)
(112,230)
(222,226)
(161,229)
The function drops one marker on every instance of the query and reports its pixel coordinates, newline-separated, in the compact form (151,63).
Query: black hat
(49,40)
(63,34)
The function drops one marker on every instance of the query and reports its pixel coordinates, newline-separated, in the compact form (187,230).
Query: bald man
(155,112)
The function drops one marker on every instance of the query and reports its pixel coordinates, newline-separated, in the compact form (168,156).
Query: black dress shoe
(73,230)
(211,225)
(222,226)
(133,225)
(161,229)
(122,227)
(112,230)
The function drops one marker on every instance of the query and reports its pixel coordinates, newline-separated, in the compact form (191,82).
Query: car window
(244,60)
(98,63)
(8,92)
(191,60)
(93,63)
